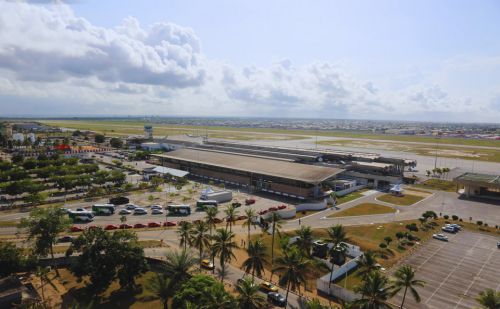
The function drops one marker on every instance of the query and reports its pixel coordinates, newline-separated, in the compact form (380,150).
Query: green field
(438,184)
(405,200)
(363,209)
(124,127)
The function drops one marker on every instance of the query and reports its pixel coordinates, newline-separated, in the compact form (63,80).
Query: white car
(125,212)
(440,237)
(131,206)
(156,207)
(140,211)
(156,211)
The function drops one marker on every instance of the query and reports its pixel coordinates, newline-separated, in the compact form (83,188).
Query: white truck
(218,196)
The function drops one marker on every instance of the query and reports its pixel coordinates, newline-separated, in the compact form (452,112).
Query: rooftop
(479,178)
(252,164)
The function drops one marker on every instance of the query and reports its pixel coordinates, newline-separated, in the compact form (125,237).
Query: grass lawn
(349,197)
(405,200)
(9,223)
(363,209)
(438,184)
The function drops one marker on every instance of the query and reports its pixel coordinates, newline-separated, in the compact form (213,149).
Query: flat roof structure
(251,164)
(167,170)
(479,179)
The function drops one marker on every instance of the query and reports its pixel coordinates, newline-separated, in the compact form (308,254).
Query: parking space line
(454,268)
(427,259)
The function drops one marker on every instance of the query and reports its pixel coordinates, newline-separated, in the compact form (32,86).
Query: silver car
(440,237)
(125,212)
(156,211)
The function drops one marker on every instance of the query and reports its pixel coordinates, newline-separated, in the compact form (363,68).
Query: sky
(395,60)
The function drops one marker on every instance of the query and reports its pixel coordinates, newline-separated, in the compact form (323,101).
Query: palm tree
(305,240)
(367,264)
(337,236)
(178,264)
(250,214)
(405,277)
(256,256)
(231,215)
(223,247)
(375,290)
(211,218)
(275,226)
(293,266)
(162,287)
(218,298)
(199,237)
(489,299)
(249,296)
(184,232)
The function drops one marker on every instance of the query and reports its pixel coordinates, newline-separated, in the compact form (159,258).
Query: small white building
(150,146)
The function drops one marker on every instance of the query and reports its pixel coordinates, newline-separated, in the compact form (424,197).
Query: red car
(249,201)
(273,208)
(170,223)
(217,220)
(125,226)
(110,227)
(241,217)
(154,224)
(282,207)
(76,229)
(263,212)
(139,226)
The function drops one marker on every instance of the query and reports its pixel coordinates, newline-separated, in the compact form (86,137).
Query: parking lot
(455,272)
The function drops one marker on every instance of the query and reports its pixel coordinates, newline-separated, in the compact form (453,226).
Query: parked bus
(202,204)
(81,215)
(103,209)
(179,210)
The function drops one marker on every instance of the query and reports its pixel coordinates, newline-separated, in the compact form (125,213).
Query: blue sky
(431,60)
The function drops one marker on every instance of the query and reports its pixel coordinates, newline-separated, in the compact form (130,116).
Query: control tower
(148,131)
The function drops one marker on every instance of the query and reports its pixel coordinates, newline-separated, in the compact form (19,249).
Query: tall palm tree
(256,256)
(275,226)
(231,215)
(305,240)
(489,299)
(184,232)
(199,237)
(210,218)
(178,264)
(367,264)
(249,296)
(249,221)
(218,298)
(162,287)
(223,247)
(337,236)
(375,290)
(404,277)
(293,266)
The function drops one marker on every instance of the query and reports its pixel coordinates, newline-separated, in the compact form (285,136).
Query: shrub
(486,224)
(460,220)
(410,243)
(382,245)
(454,217)
(412,227)
(446,217)
(479,223)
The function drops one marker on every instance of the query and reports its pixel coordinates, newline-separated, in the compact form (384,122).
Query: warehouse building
(281,176)
(480,185)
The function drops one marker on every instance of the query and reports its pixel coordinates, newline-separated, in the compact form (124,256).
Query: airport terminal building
(480,185)
(257,173)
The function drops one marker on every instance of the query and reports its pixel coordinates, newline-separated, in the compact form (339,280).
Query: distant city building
(31,137)
(7,130)
(18,137)
(148,132)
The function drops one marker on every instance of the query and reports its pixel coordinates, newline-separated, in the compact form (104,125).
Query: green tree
(292,266)
(489,299)
(200,291)
(249,296)
(99,138)
(388,240)
(256,258)
(404,277)
(178,264)
(211,218)
(35,198)
(275,226)
(337,236)
(367,264)
(223,247)
(116,142)
(11,259)
(314,304)
(231,215)
(375,289)
(162,287)
(184,232)
(200,238)
(249,221)
(305,240)
(43,225)
(105,257)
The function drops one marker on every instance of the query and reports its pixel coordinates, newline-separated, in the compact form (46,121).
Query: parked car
(170,223)
(268,286)
(65,239)
(140,211)
(236,204)
(65,210)
(498,245)
(139,226)
(156,211)
(440,237)
(131,206)
(249,201)
(207,264)
(456,227)
(124,212)
(76,229)
(120,200)
(154,224)
(110,227)
(276,299)
(448,229)
(217,220)
(156,207)
(125,226)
